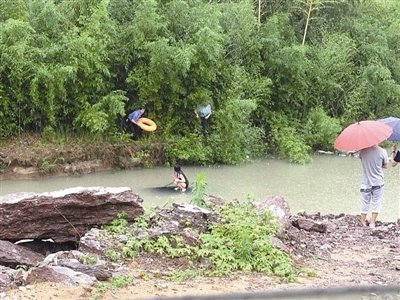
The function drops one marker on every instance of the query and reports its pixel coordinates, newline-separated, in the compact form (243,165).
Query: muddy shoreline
(29,157)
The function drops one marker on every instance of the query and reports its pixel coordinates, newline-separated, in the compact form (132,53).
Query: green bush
(287,141)
(47,167)
(100,117)
(233,139)
(320,129)
(241,240)
(188,149)
(49,134)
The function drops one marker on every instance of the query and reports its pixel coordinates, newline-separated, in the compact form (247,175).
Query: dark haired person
(132,122)
(179,179)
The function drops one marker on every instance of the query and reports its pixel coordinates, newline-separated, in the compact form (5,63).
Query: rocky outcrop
(64,215)
(309,224)
(12,255)
(183,220)
(279,207)
(58,274)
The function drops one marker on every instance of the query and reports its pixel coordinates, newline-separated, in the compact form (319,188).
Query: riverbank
(30,156)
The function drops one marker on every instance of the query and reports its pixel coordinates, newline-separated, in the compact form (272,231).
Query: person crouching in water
(180,180)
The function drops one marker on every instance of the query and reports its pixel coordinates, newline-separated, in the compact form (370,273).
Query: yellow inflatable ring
(147,124)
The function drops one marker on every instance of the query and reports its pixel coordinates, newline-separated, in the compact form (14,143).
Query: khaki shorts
(371,198)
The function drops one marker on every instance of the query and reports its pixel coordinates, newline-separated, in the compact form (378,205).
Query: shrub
(47,167)
(199,190)
(48,134)
(188,149)
(241,240)
(320,129)
(287,140)
(233,139)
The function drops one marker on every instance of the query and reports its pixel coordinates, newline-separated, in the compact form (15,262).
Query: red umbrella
(362,135)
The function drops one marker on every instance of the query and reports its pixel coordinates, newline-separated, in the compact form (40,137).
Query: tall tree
(309,8)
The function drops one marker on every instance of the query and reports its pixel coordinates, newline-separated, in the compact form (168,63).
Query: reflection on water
(330,184)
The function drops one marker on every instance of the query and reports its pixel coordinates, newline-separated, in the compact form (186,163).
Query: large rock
(12,255)
(64,215)
(309,224)
(58,274)
(8,277)
(279,207)
(72,260)
(182,219)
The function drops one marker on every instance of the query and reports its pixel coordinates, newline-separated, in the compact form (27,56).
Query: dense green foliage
(242,240)
(285,79)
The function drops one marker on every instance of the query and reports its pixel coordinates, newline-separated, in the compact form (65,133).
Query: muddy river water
(329,184)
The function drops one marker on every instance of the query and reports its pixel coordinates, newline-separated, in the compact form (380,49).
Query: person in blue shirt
(203,112)
(132,122)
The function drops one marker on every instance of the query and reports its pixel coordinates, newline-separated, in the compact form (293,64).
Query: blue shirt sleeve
(135,115)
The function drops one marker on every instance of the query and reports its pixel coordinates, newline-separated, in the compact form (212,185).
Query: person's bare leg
(181,185)
(363,219)
(373,219)
(177,187)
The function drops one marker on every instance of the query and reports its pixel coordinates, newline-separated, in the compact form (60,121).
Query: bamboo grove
(283,76)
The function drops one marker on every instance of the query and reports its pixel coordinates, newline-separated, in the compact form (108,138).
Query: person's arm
(135,117)
(209,114)
(393,155)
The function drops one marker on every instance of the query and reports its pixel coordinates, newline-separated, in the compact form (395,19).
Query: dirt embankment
(29,156)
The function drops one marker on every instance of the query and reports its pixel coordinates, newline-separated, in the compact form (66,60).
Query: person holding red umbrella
(364,136)
(373,159)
